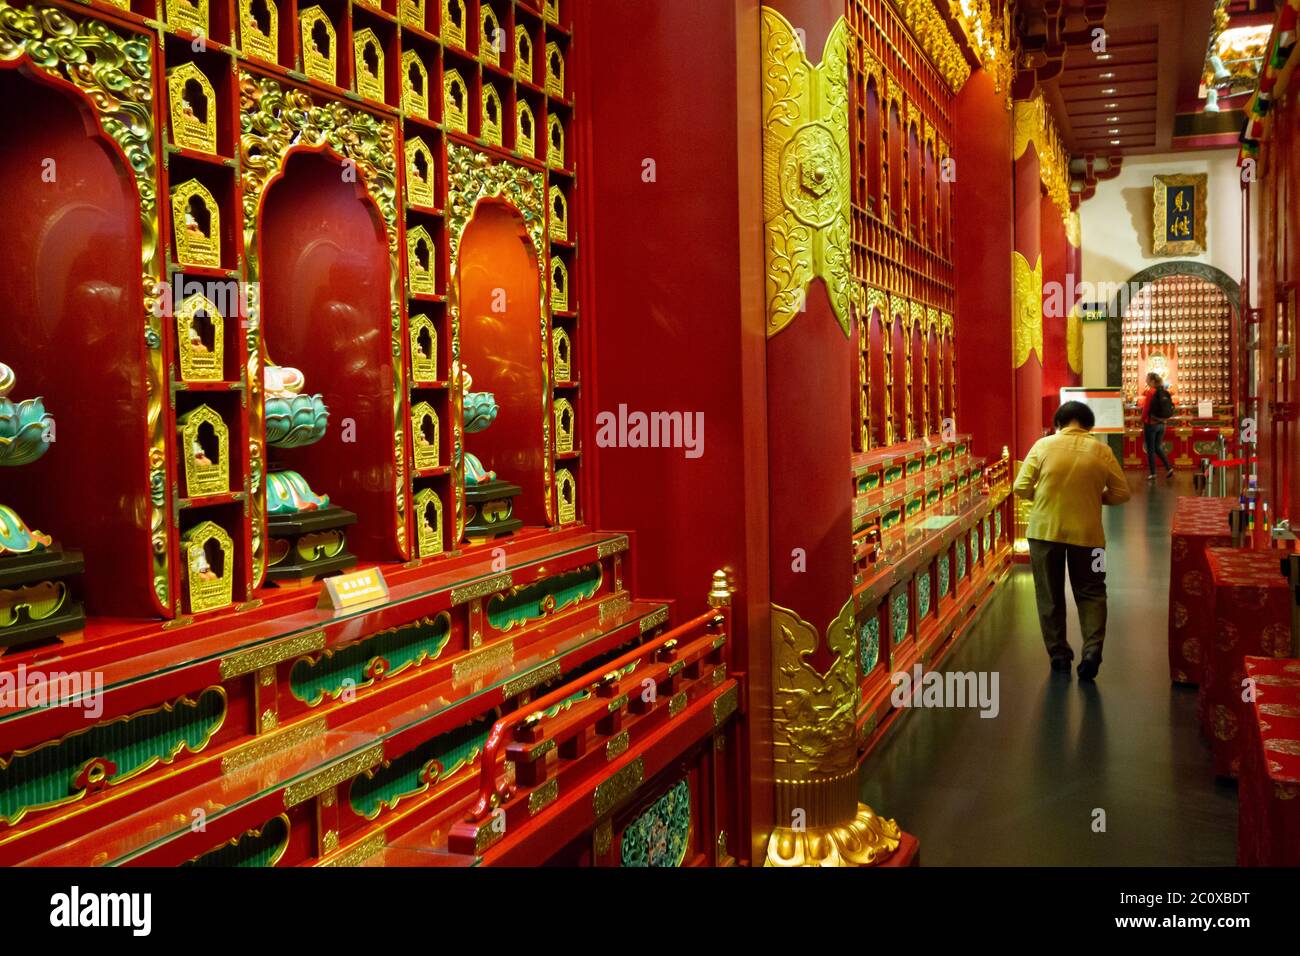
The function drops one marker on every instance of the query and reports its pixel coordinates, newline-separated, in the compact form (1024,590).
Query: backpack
(1162,404)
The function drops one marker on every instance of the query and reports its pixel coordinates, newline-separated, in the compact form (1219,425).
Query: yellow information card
(354,589)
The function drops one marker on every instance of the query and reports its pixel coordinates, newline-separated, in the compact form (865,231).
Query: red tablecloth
(1199,523)
(1268,796)
(1251,616)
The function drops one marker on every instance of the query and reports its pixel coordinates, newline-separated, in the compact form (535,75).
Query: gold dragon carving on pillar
(807,203)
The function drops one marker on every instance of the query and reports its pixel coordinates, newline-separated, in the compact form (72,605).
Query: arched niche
(878,371)
(934,362)
(898,342)
(874,142)
(72,275)
(920,370)
(498,291)
(325,286)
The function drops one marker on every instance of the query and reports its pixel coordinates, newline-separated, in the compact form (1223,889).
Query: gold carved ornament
(1026,310)
(1194,244)
(276,120)
(1033,123)
(806,172)
(815,750)
(931,33)
(1074,341)
(472,176)
(989,35)
(115,73)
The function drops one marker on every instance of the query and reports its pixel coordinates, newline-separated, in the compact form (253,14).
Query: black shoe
(1169,474)
(1151,477)
(1061,664)
(1088,668)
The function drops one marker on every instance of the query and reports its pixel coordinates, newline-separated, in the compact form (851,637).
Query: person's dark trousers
(1153,437)
(1049,560)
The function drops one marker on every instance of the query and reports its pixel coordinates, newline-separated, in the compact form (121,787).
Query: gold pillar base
(866,840)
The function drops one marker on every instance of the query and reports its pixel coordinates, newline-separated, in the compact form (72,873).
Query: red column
(1056,308)
(1028,243)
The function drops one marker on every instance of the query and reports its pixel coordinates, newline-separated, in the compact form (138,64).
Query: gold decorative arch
(473,176)
(277,120)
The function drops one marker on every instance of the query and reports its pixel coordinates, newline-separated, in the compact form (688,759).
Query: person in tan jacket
(1068,477)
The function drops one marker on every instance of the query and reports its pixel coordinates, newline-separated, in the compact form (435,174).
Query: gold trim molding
(806,172)
(932,35)
(866,840)
(1032,122)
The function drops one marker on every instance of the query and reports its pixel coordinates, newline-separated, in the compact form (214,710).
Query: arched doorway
(498,293)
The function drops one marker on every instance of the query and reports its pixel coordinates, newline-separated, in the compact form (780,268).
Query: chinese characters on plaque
(1179,215)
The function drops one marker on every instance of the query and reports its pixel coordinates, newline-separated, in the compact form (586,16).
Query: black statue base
(300,545)
(19,572)
(492,514)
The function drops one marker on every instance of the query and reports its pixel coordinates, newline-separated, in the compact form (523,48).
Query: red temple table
(1199,523)
(1268,816)
(1251,617)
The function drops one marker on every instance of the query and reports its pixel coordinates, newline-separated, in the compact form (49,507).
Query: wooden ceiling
(1126,100)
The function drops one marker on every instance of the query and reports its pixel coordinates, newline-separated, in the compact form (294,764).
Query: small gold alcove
(424,431)
(566,493)
(563,350)
(491,118)
(428,522)
(559,215)
(453,22)
(559,285)
(455,105)
(551,10)
(555,137)
(419,173)
(411,12)
(259,29)
(193,108)
(415,85)
(564,422)
(424,350)
(209,567)
(188,16)
(554,70)
(420,261)
(525,130)
(205,447)
(196,225)
(319,47)
(523,54)
(369,62)
(200,337)
(490,35)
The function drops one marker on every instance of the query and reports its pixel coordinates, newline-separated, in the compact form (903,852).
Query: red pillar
(1056,308)
(1028,243)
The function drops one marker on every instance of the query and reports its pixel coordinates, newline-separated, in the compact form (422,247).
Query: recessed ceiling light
(1112,119)
(1108,92)
(1111,106)
(1108,76)
(1114,142)
(1112,131)
(1103,56)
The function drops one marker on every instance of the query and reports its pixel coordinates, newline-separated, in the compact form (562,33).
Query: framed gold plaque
(1179,215)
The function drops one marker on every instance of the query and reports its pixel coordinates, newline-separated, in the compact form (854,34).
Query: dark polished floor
(1023,788)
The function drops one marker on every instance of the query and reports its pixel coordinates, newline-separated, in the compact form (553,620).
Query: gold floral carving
(1027,310)
(1032,123)
(866,840)
(275,121)
(1074,229)
(989,35)
(931,33)
(115,73)
(474,176)
(806,171)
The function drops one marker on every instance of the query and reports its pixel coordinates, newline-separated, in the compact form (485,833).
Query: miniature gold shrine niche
(453,22)
(415,86)
(205,443)
(193,108)
(559,215)
(420,261)
(523,54)
(455,105)
(319,49)
(559,285)
(196,225)
(491,118)
(209,566)
(554,70)
(562,348)
(200,339)
(424,350)
(188,16)
(411,12)
(424,429)
(259,29)
(369,56)
(428,523)
(525,129)
(491,37)
(555,141)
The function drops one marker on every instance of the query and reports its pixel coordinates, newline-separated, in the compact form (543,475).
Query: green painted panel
(416,770)
(256,848)
(312,678)
(533,601)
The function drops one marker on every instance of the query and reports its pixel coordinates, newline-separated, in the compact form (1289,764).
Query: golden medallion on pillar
(1026,310)
(806,171)
(814,750)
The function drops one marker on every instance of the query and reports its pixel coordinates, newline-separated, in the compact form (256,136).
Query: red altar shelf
(1268,816)
(1199,523)
(1251,616)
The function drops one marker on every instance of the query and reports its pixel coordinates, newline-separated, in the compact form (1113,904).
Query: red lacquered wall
(982,199)
(1056,365)
(673,269)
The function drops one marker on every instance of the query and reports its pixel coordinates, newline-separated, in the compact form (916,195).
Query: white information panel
(1107,405)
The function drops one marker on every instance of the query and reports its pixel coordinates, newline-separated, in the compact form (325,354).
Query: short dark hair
(1074,413)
